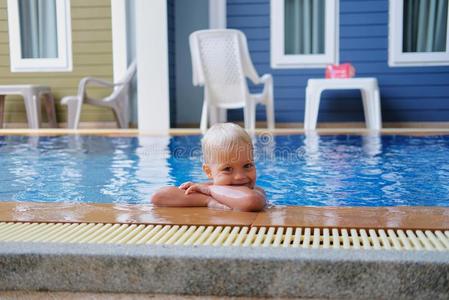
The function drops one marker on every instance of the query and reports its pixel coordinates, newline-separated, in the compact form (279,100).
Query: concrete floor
(19,295)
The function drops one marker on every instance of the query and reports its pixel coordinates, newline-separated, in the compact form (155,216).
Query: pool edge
(400,217)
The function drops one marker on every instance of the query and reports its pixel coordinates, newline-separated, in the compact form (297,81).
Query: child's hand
(198,188)
(186,185)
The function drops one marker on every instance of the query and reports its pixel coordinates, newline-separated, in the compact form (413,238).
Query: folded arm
(173,196)
(214,196)
(177,197)
(236,197)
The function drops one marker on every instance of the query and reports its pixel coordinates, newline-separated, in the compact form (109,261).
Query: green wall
(92,56)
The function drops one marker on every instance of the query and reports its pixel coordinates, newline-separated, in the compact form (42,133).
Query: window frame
(280,60)
(61,64)
(397,58)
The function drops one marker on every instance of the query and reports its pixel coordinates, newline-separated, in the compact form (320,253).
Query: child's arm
(236,197)
(173,196)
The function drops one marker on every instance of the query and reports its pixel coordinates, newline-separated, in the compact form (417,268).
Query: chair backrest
(123,85)
(221,62)
(129,73)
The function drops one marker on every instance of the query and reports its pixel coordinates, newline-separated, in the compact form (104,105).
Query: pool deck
(195,131)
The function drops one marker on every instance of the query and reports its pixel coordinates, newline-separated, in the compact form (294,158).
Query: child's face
(234,167)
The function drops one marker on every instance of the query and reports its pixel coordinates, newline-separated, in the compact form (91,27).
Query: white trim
(152,71)
(119,39)
(61,64)
(217,14)
(278,57)
(397,58)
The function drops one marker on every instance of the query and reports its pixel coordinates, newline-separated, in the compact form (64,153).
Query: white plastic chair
(117,100)
(221,63)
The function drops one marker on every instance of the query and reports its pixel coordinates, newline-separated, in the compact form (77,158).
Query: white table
(370,97)
(31,95)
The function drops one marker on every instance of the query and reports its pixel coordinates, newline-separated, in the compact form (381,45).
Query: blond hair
(223,138)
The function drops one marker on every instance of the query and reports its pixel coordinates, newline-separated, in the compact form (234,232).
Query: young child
(228,162)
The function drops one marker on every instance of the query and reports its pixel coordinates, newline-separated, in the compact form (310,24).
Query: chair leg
(2,109)
(50,109)
(311,110)
(378,113)
(122,117)
(204,112)
(269,107)
(371,107)
(74,111)
(121,111)
(253,117)
(37,100)
(247,116)
(31,107)
(366,100)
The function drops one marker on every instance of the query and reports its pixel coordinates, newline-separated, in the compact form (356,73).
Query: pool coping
(399,217)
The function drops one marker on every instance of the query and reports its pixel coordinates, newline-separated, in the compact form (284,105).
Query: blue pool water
(344,170)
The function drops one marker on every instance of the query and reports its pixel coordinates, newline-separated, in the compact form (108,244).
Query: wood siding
(92,56)
(408,93)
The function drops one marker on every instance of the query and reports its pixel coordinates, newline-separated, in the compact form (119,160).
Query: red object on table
(340,71)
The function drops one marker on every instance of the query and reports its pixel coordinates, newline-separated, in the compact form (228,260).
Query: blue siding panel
(378,18)
(363,6)
(250,21)
(364,31)
(255,9)
(407,93)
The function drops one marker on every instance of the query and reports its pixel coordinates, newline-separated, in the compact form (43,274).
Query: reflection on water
(344,170)
(372,144)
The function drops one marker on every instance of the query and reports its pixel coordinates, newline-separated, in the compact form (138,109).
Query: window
(40,35)
(304,33)
(418,33)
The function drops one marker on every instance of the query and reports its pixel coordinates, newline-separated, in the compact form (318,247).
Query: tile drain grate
(133,234)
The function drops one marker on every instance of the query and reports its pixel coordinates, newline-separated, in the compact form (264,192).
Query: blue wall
(407,93)
(190,16)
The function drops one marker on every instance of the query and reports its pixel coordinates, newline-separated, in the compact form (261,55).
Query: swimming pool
(326,170)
